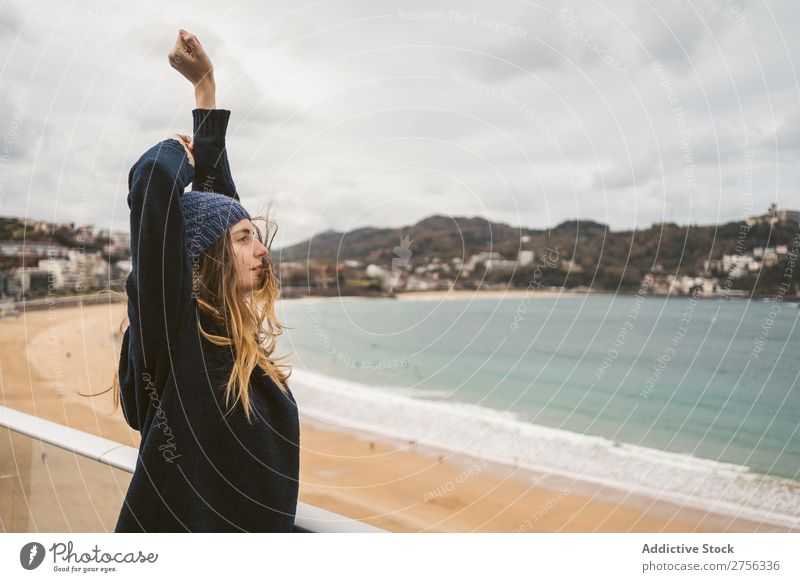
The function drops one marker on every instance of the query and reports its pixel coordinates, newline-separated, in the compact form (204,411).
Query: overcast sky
(348,114)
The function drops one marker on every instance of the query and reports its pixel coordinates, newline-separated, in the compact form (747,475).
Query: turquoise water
(706,379)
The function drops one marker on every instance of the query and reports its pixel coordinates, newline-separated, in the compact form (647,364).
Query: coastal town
(39,259)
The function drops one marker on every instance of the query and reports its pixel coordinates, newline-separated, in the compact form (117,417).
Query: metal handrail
(309,519)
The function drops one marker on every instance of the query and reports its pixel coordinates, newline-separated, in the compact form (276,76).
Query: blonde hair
(248,318)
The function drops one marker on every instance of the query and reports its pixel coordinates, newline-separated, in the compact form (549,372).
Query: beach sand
(47,356)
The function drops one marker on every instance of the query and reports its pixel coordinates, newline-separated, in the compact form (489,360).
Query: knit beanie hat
(206,217)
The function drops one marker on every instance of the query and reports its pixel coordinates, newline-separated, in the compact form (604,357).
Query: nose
(261,250)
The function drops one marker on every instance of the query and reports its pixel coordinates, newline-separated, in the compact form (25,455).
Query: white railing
(308,519)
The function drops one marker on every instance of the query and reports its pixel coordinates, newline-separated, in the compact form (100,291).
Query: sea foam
(502,437)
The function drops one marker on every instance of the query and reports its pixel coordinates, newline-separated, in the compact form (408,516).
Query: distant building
(735,265)
(480,259)
(37,226)
(525,258)
(123,268)
(417,284)
(31,249)
(787,216)
(500,265)
(85,234)
(79,271)
(388,279)
(570,266)
(775,216)
(769,255)
(120,243)
(7,288)
(681,284)
(770,258)
(30,281)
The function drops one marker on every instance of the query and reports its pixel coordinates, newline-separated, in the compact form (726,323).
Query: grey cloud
(787,137)
(544,126)
(11,22)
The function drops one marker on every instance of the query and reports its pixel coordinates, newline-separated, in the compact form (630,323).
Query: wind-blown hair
(250,326)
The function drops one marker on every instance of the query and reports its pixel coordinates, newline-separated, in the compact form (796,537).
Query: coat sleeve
(212,170)
(157,285)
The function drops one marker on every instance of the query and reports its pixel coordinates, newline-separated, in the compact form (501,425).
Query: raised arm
(158,285)
(212,170)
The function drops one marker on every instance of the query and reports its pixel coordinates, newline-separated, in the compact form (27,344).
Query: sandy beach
(48,356)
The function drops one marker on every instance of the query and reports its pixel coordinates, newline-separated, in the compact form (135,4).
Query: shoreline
(586,495)
(390,418)
(493,294)
(67,301)
(542,294)
(48,356)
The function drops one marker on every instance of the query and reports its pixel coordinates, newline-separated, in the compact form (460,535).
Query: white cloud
(510,110)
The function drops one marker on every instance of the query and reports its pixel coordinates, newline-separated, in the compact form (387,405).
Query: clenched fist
(190,60)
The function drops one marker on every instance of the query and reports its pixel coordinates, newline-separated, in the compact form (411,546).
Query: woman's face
(249,253)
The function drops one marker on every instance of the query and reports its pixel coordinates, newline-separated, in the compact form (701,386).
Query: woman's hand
(187,143)
(190,59)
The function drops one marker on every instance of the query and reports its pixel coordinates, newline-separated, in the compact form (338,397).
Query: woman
(219,425)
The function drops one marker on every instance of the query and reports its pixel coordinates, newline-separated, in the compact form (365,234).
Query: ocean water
(691,400)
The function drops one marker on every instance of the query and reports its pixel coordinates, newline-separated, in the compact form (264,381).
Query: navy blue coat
(201,467)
